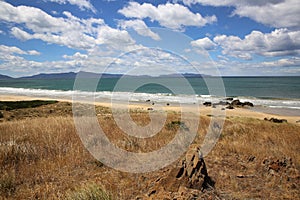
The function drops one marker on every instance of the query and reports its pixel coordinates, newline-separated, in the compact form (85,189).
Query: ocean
(271,92)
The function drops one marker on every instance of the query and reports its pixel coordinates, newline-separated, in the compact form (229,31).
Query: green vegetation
(12,105)
(90,191)
(173,125)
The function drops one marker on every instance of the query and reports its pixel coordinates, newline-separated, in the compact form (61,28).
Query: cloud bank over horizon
(239,37)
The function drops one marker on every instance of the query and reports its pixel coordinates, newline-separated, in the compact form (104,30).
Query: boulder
(230,107)
(236,103)
(222,103)
(247,103)
(207,103)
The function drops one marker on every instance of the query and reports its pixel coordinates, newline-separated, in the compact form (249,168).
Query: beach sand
(257,112)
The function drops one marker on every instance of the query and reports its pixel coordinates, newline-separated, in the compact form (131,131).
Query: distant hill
(5,77)
(72,75)
(69,75)
(186,75)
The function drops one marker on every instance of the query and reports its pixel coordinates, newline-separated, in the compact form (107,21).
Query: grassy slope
(42,156)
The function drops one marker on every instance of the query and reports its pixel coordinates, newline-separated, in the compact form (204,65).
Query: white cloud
(140,27)
(281,67)
(71,31)
(280,42)
(116,39)
(77,55)
(15,50)
(204,43)
(12,59)
(174,16)
(284,62)
(82,4)
(33,52)
(276,13)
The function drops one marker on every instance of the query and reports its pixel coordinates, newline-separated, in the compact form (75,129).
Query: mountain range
(72,75)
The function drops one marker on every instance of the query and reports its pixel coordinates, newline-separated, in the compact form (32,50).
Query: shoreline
(257,112)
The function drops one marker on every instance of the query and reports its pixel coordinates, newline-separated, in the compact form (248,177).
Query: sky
(216,37)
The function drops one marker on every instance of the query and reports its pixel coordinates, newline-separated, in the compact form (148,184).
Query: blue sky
(229,38)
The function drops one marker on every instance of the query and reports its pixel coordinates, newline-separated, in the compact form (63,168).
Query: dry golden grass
(42,157)
(239,162)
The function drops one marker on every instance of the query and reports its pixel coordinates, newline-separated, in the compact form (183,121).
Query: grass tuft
(7,185)
(89,191)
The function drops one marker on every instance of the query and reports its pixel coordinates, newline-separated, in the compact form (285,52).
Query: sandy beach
(257,112)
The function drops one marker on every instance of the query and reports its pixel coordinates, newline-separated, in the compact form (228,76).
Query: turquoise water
(258,87)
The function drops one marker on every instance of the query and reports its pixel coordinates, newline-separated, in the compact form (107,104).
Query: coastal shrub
(90,191)
(12,105)
(7,184)
(173,125)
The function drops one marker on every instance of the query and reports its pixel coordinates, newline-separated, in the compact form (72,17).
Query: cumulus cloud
(70,31)
(284,66)
(15,50)
(82,4)
(204,43)
(275,13)
(280,42)
(12,59)
(174,16)
(140,27)
(284,62)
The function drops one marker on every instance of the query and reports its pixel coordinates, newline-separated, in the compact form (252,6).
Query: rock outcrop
(185,181)
(238,103)
(275,120)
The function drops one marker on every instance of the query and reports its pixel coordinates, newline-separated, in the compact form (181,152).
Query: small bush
(12,105)
(90,191)
(174,125)
(7,185)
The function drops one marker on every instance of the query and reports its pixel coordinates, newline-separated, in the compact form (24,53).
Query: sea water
(273,92)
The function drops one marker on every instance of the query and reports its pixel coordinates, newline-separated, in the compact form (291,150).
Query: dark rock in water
(207,103)
(230,107)
(150,109)
(275,120)
(168,104)
(222,103)
(222,108)
(153,103)
(148,100)
(247,103)
(229,99)
(238,103)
